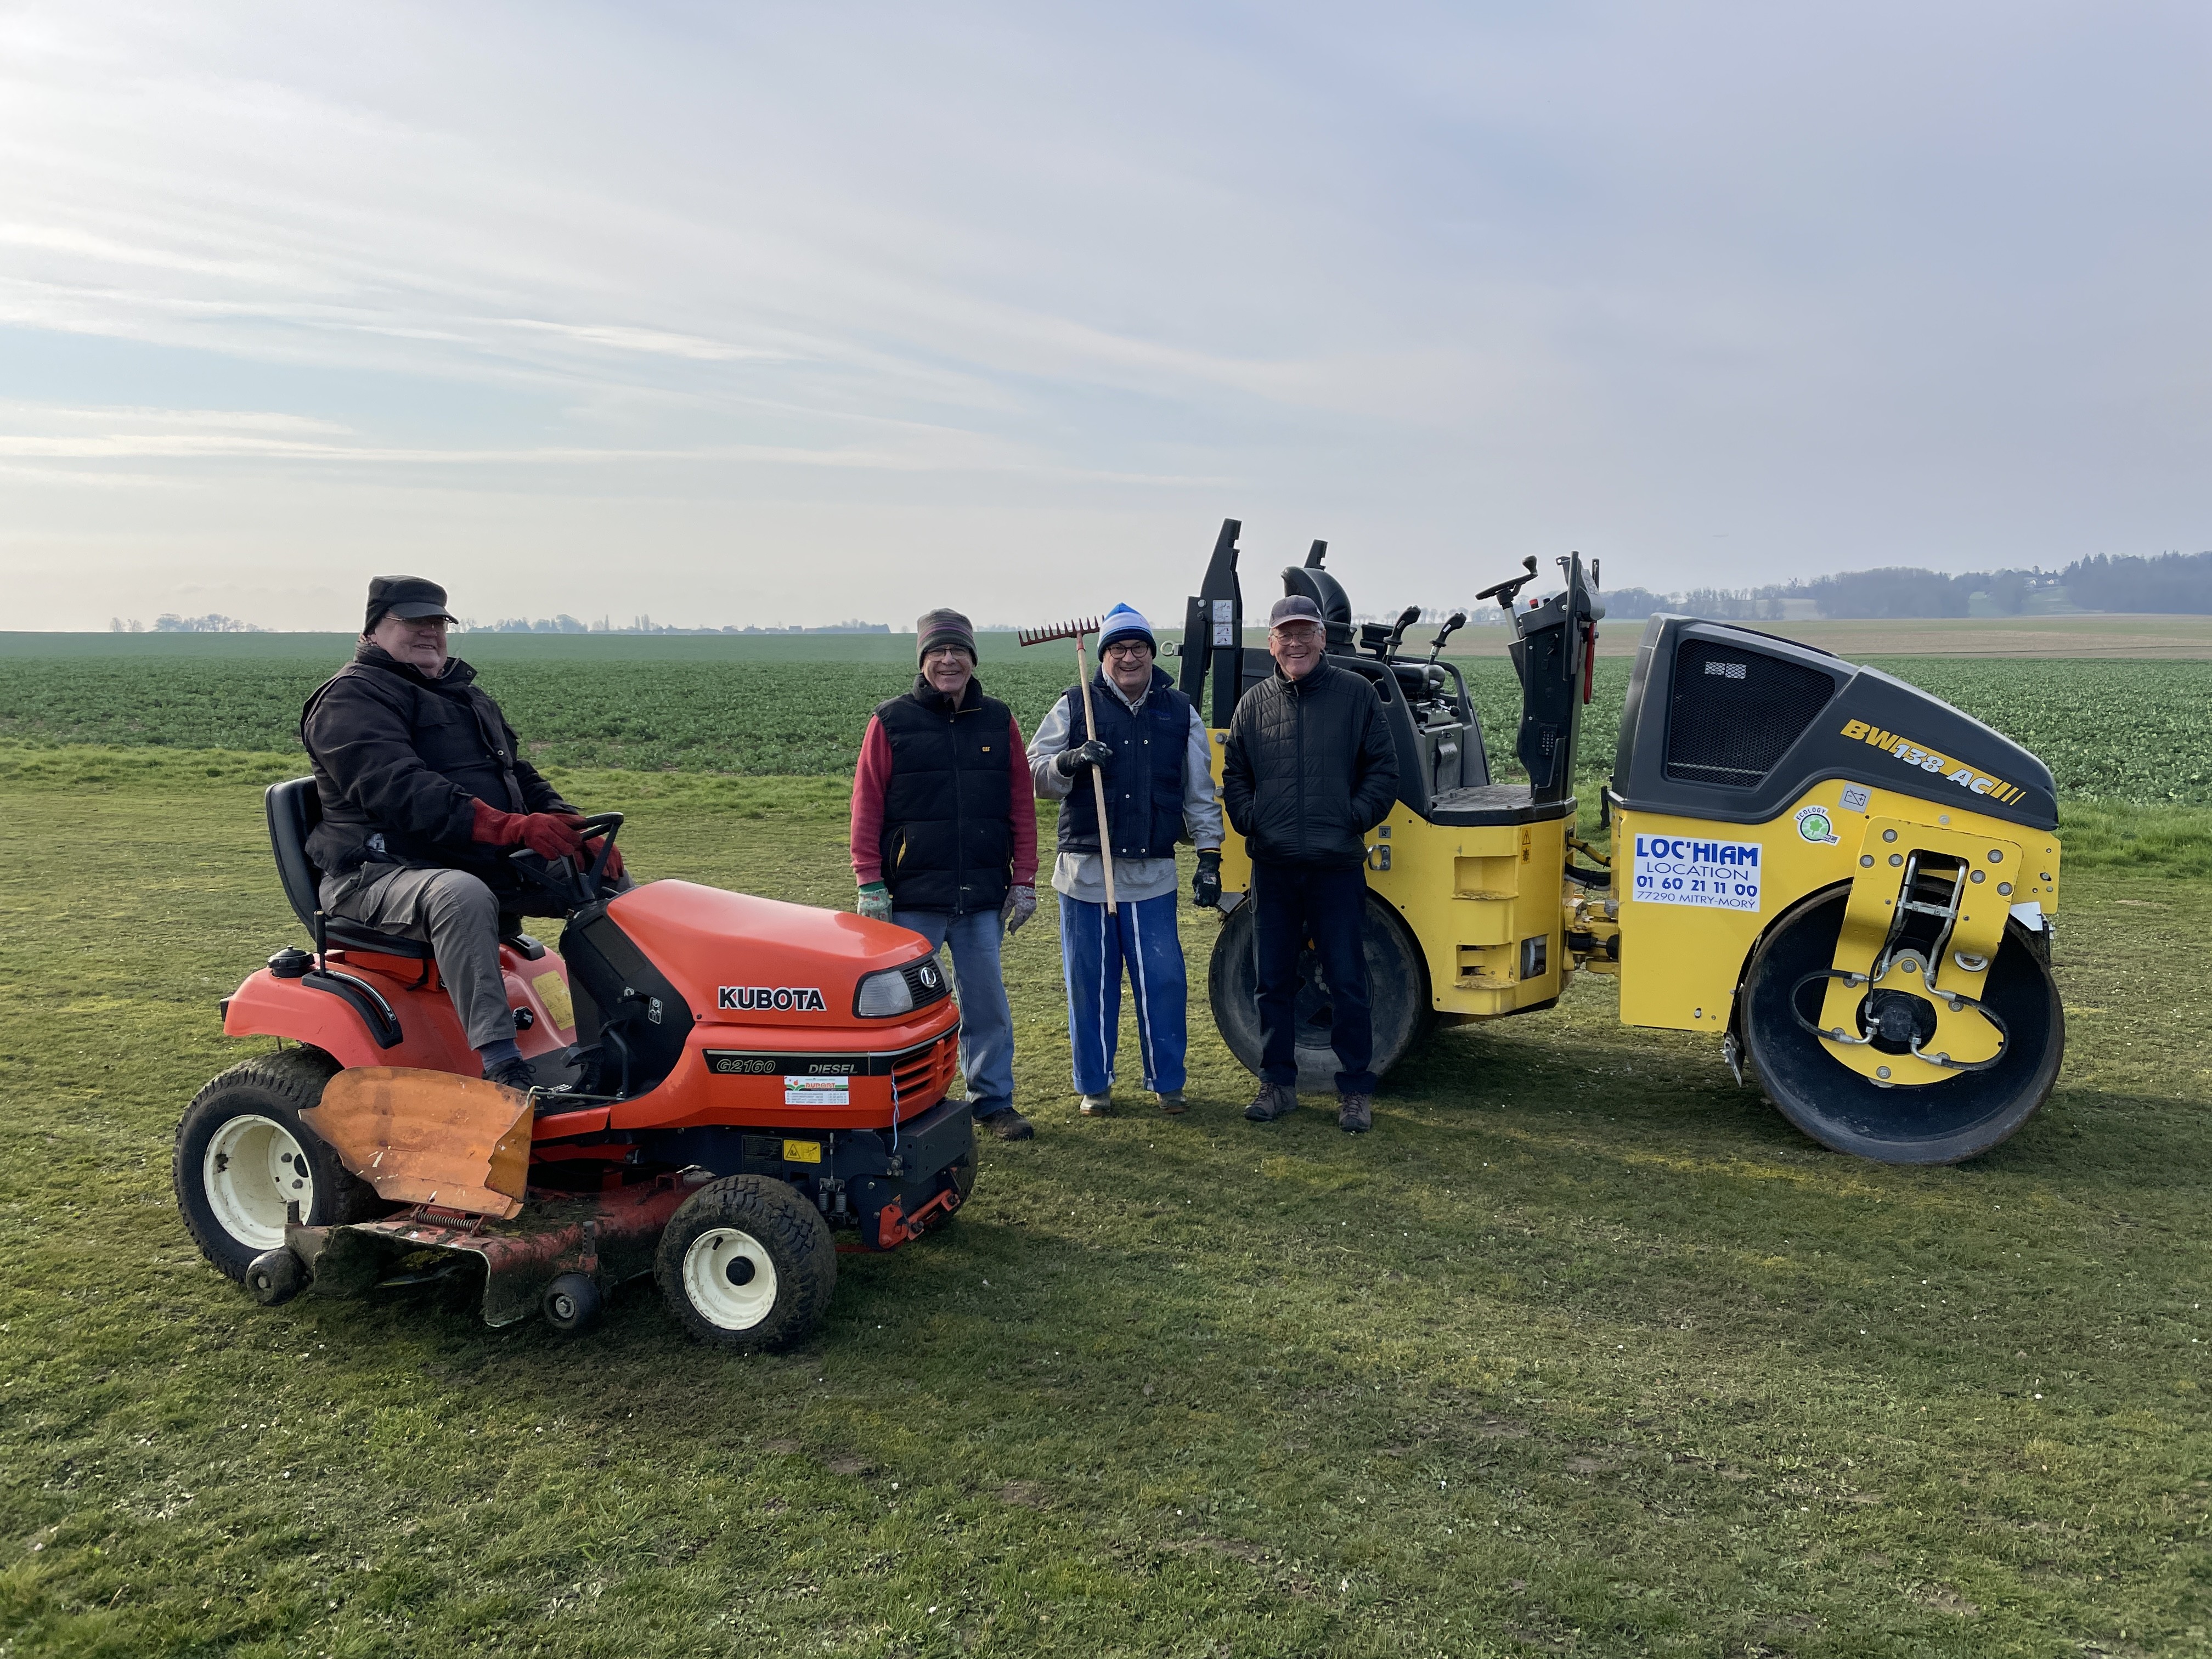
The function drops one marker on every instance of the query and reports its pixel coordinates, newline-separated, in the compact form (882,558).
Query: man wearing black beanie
(944,842)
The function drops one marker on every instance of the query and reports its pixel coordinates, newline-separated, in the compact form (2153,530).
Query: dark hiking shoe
(1007,1124)
(1355,1114)
(512,1074)
(1274,1100)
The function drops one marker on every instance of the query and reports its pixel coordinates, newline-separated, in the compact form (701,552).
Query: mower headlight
(885,992)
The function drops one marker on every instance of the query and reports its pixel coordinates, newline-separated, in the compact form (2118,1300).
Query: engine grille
(1735,711)
(923,1080)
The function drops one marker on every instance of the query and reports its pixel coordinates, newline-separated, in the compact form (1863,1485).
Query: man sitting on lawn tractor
(425,795)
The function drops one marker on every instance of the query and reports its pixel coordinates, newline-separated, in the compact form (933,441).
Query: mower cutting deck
(725,1083)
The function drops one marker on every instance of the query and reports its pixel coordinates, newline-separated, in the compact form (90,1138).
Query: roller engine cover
(1732,724)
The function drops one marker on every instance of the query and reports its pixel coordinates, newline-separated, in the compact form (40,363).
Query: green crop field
(1583,1350)
(2126,730)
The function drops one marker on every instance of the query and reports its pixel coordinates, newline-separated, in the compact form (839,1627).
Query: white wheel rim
(708,1284)
(253,1170)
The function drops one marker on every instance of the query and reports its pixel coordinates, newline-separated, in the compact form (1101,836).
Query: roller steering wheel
(605,825)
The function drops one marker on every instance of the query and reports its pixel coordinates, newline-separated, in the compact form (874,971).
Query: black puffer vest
(949,813)
(1144,780)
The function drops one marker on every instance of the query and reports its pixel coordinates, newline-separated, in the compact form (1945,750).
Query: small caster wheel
(572,1303)
(275,1277)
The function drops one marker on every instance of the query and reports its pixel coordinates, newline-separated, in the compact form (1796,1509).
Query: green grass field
(1583,1350)
(2130,731)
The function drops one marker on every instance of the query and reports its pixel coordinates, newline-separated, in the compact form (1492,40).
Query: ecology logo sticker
(1814,825)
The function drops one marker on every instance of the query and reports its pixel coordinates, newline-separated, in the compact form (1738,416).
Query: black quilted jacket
(1310,768)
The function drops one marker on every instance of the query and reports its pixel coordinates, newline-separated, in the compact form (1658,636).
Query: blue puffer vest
(1144,780)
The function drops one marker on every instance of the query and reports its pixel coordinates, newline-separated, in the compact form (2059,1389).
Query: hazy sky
(756,314)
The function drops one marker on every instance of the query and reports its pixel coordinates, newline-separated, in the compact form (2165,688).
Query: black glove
(1205,885)
(1093,753)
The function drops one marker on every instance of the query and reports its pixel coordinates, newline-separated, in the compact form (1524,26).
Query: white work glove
(1020,906)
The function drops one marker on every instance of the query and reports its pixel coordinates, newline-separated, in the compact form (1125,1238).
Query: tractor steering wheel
(605,825)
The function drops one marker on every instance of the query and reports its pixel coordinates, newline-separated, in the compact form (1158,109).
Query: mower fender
(266,1005)
(431,1037)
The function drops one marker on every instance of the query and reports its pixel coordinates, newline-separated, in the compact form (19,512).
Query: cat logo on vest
(760,999)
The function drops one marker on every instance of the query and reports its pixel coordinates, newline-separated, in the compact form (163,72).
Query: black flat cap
(410,598)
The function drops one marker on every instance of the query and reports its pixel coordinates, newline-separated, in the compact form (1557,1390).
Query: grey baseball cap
(1297,608)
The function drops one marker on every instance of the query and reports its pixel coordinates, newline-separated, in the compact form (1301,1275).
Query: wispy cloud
(836,287)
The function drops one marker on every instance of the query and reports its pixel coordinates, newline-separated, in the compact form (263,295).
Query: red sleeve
(872,780)
(1025,866)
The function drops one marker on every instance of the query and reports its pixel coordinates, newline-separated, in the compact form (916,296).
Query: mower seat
(295,809)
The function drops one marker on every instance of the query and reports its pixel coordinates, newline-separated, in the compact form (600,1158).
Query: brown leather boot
(1274,1100)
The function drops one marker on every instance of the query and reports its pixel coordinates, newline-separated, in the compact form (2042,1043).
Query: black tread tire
(1944,1122)
(572,1303)
(787,1228)
(1397,989)
(279,1087)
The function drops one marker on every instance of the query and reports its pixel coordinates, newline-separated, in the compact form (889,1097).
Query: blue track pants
(1093,948)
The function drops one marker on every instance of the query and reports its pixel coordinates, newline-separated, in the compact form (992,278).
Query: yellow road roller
(1849,883)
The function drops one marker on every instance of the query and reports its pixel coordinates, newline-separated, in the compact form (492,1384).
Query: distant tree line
(565,623)
(170,622)
(2168,583)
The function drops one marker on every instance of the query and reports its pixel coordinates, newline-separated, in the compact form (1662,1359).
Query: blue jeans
(987,1024)
(1093,946)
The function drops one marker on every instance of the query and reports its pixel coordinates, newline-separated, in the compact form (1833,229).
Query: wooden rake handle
(1097,778)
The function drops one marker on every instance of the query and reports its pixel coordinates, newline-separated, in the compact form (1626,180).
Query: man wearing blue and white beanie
(1152,750)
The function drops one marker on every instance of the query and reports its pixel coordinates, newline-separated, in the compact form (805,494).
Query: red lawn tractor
(724,1083)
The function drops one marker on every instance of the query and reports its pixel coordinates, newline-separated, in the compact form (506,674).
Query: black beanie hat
(410,598)
(942,626)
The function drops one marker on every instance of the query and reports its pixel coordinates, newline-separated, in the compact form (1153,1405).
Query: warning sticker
(553,991)
(816,1090)
(1719,875)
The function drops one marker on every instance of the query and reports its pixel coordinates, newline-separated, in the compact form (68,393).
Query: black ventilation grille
(924,980)
(1735,712)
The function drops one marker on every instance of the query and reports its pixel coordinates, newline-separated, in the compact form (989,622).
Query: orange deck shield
(429,1137)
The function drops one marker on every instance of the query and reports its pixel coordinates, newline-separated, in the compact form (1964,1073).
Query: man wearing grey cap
(944,842)
(425,794)
(1308,770)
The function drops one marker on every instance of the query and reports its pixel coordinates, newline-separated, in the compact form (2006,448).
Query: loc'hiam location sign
(1718,875)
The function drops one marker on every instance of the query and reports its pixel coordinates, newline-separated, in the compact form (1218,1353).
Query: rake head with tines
(1068,630)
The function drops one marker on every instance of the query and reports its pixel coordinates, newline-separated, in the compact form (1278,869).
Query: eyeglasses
(1128,648)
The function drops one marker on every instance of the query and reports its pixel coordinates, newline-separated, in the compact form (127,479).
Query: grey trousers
(457,916)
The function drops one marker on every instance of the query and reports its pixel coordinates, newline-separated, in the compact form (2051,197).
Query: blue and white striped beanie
(1123,623)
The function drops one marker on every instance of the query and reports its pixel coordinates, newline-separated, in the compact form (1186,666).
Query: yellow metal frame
(1680,963)
(1478,900)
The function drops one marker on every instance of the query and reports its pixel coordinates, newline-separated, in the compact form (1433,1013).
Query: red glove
(548,835)
(614,869)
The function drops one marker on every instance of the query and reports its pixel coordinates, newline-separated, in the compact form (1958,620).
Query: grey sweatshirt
(1082,876)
